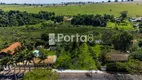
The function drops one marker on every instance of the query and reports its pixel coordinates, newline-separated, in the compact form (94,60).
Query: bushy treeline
(17,18)
(36,75)
(96,20)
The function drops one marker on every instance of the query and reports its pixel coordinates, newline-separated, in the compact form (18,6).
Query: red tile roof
(11,48)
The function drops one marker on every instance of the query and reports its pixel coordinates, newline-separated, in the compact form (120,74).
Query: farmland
(132,8)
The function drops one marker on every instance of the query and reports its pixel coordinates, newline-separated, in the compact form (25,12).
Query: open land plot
(132,8)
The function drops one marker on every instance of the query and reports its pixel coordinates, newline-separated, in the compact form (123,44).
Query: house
(11,50)
(49,60)
(117,56)
(68,19)
(138,19)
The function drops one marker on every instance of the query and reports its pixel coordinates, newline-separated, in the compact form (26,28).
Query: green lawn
(132,9)
(121,26)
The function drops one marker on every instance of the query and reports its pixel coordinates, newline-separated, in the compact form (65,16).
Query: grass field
(120,26)
(132,8)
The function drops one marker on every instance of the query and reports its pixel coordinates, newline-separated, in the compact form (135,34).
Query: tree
(45,37)
(64,60)
(137,54)
(29,57)
(58,19)
(107,37)
(122,41)
(140,43)
(97,20)
(140,25)
(135,66)
(42,56)
(6,61)
(124,14)
(116,1)
(21,57)
(85,60)
(12,20)
(109,0)
(17,18)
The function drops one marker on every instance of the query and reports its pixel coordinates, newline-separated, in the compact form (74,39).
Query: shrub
(41,74)
(118,66)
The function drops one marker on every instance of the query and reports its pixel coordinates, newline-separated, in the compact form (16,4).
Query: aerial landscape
(71,40)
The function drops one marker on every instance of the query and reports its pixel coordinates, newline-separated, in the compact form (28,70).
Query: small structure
(36,52)
(132,19)
(117,56)
(138,19)
(68,19)
(98,41)
(103,68)
(49,60)
(52,48)
(12,49)
(118,19)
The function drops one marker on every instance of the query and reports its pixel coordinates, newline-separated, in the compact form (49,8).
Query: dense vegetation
(97,20)
(33,29)
(17,18)
(41,74)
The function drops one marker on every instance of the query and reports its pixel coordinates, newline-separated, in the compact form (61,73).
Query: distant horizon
(48,2)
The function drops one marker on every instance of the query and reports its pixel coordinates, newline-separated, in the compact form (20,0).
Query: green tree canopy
(122,41)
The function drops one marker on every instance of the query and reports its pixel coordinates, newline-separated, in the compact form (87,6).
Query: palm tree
(14,63)
(6,60)
(19,57)
(9,59)
(29,57)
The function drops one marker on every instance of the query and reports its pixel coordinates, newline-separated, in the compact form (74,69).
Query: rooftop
(48,60)
(117,56)
(12,48)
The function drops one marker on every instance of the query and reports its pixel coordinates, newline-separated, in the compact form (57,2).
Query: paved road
(100,76)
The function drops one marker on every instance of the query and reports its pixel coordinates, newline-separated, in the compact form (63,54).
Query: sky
(47,1)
